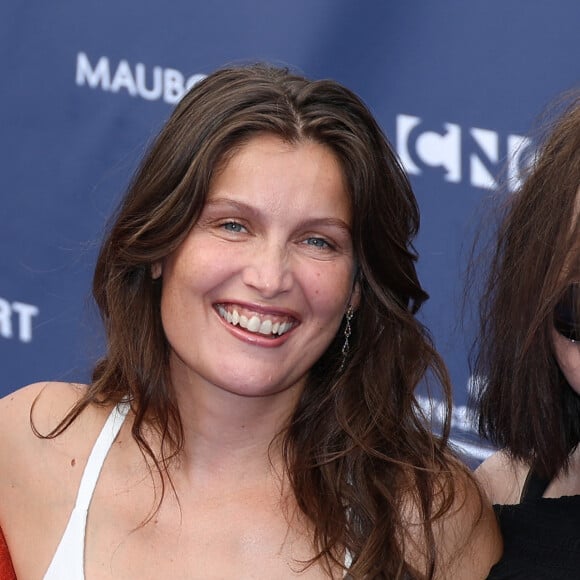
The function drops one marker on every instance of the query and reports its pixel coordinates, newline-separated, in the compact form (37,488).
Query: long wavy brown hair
(525,404)
(358,448)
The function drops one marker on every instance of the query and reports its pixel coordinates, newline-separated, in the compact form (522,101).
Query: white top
(68,562)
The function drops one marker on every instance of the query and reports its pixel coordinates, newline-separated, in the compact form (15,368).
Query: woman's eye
(318,243)
(234,227)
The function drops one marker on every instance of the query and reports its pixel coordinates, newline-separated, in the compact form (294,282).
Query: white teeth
(254,323)
(265,327)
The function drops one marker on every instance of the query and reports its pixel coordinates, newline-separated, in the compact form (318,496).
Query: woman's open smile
(271,324)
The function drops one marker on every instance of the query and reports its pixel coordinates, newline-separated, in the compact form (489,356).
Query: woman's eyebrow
(310,222)
(233,204)
(327,221)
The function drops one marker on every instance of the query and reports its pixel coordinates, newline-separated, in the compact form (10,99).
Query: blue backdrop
(455,85)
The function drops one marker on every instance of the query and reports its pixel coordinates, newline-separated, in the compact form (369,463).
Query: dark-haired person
(254,414)
(529,364)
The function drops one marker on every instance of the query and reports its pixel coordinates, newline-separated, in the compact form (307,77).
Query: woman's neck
(230,435)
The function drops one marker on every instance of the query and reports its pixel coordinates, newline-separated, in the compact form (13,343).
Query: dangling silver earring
(348,316)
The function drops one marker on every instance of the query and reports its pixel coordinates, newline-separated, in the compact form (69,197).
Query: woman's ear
(156,270)
(355,295)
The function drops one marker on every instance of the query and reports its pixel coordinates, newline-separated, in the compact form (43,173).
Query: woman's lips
(263,323)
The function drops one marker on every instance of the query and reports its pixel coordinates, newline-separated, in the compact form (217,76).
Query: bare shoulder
(502,478)
(49,394)
(44,403)
(466,535)
(27,416)
(40,473)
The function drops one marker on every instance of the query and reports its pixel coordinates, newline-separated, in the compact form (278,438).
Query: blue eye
(318,243)
(234,227)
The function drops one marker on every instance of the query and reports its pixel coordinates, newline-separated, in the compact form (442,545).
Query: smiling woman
(254,415)
(271,249)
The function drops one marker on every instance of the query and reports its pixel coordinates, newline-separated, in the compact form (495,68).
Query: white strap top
(68,560)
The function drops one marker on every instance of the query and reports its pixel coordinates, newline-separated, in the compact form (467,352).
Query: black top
(541,536)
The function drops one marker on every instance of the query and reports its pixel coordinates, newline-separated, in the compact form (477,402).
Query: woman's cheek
(568,356)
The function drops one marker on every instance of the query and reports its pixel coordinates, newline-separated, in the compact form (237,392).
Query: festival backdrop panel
(86,85)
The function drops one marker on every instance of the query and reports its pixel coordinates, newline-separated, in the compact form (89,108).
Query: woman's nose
(268,270)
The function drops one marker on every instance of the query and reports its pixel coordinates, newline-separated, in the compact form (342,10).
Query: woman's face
(568,352)
(257,291)
(568,357)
